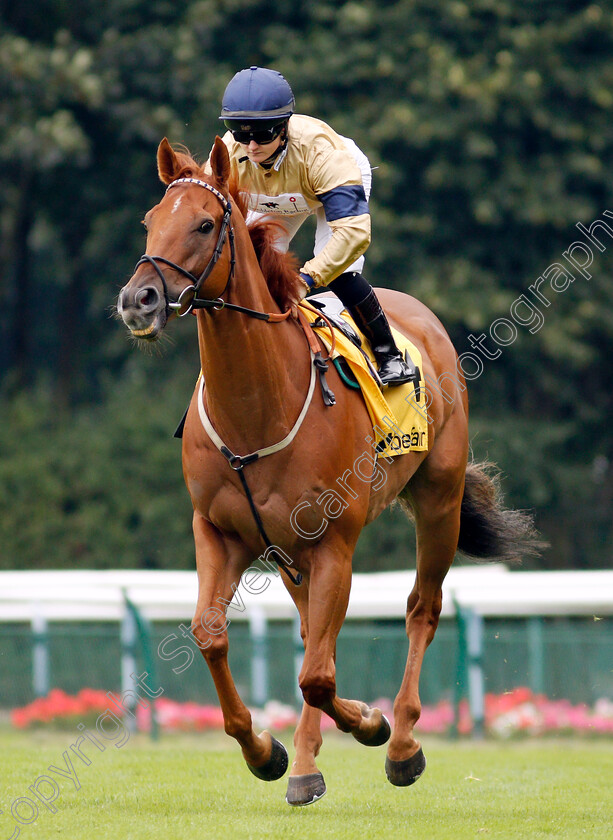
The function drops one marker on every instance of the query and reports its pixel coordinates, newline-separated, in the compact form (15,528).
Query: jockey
(294,166)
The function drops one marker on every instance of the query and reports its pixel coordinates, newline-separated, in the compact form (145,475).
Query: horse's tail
(487,529)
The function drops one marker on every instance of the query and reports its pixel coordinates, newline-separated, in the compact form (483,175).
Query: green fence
(568,658)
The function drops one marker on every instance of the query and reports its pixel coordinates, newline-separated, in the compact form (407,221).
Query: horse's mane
(279,269)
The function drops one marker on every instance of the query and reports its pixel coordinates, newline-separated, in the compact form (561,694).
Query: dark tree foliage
(489,124)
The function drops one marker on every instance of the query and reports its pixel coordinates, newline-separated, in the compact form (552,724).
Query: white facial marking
(175,206)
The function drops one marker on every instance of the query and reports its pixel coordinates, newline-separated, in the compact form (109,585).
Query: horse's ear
(167,162)
(220,163)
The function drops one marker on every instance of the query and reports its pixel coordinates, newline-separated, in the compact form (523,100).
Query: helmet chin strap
(269,162)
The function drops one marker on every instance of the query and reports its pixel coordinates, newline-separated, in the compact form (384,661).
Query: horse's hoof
(276,765)
(304,790)
(381,736)
(404,773)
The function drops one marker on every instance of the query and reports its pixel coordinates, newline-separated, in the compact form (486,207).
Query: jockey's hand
(307,284)
(304,288)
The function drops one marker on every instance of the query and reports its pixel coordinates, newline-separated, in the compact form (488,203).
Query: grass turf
(198,786)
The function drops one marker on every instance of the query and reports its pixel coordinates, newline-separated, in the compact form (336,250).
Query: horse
(201,256)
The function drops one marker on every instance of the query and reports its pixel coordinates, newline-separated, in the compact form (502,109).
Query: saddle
(398,415)
(332,309)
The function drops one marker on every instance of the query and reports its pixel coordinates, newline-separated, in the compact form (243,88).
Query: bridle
(188,299)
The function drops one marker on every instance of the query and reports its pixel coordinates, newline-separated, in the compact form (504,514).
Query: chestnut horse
(257,369)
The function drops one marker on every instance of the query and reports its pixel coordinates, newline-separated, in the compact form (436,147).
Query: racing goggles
(261,136)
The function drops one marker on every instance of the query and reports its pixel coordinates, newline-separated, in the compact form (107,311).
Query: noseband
(188,299)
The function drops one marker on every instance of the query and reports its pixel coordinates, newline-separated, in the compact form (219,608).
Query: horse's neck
(256,372)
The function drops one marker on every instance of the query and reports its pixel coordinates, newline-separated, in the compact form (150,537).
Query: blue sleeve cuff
(308,280)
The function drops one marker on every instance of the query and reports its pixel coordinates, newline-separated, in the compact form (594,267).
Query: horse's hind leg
(436,497)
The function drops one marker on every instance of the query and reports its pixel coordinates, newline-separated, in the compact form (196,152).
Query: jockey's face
(260,152)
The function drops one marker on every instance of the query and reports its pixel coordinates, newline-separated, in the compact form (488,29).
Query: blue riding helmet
(257,94)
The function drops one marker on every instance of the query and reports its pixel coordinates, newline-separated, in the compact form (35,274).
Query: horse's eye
(144,224)
(206,227)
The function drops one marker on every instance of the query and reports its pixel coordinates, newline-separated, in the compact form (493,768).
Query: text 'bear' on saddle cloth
(397,416)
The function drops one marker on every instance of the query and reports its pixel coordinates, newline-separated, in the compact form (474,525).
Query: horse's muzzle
(143,311)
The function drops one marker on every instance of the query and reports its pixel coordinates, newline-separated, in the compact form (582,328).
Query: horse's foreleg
(306,783)
(220,566)
(437,522)
(330,582)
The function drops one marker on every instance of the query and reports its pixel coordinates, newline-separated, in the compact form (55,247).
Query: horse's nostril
(147,298)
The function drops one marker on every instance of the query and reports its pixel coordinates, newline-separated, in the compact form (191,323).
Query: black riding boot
(371,320)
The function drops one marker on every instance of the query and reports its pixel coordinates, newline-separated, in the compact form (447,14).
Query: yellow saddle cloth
(398,418)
